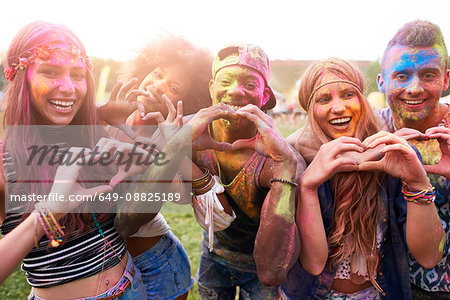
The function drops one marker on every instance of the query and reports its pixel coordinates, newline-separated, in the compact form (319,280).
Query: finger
(141,109)
(399,147)
(342,148)
(180,112)
(254,118)
(413,136)
(127,130)
(99,190)
(220,146)
(442,137)
(370,166)
(440,129)
(115,90)
(385,139)
(218,114)
(126,88)
(435,169)
(155,115)
(243,144)
(171,109)
(346,140)
(374,137)
(257,111)
(347,168)
(133,94)
(144,140)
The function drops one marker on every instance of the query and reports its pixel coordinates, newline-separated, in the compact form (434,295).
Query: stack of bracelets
(204,183)
(52,229)
(425,196)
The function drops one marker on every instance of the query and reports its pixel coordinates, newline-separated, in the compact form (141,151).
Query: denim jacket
(392,272)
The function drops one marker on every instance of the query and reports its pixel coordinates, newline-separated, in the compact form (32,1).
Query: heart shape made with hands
(372,154)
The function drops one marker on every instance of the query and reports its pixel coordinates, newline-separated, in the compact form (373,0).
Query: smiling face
(238,86)
(336,107)
(168,79)
(58,86)
(413,80)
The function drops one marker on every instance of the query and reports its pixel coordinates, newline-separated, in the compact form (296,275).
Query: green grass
(182,222)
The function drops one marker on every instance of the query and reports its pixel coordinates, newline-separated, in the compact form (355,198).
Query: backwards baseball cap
(246,55)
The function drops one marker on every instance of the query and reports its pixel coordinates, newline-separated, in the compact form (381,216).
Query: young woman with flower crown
(362,196)
(65,255)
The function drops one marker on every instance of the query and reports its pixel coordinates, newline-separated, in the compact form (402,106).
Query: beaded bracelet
(283,181)
(425,196)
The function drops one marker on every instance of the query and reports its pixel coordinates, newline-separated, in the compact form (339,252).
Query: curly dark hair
(172,49)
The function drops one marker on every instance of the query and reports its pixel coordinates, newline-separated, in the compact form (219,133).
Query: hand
(129,154)
(166,127)
(400,160)
(442,134)
(65,183)
(330,160)
(410,134)
(199,123)
(372,154)
(122,103)
(269,141)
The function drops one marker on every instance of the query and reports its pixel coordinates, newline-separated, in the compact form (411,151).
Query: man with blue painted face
(413,76)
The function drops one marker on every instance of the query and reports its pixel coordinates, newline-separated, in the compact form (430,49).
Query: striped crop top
(81,256)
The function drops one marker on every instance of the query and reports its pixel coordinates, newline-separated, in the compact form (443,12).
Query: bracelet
(52,229)
(425,196)
(283,181)
(206,188)
(202,180)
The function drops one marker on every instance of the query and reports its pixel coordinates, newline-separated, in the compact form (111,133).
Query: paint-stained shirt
(437,278)
(245,197)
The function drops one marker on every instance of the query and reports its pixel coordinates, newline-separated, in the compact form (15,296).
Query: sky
(299,30)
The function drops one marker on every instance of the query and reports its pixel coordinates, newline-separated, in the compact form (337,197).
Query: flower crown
(43,52)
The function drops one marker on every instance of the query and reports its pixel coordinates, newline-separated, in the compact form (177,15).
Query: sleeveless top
(245,197)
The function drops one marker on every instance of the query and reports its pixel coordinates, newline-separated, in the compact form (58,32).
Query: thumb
(221,146)
(243,144)
(370,166)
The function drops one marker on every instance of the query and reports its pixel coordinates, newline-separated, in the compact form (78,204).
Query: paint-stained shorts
(219,281)
(165,269)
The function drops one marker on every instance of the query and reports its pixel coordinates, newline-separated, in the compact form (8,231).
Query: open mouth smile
(340,122)
(63,106)
(413,102)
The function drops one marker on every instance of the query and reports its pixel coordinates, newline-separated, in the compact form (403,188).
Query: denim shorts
(165,269)
(370,293)
(135,291)
(218,280)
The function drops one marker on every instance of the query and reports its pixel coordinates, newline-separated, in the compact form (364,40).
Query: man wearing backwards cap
(259,175)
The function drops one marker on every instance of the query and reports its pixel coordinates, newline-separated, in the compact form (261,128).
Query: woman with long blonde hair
(351,217)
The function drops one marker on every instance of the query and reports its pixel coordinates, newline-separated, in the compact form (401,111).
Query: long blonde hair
(357,202)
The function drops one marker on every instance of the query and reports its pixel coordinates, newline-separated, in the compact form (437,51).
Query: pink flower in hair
(43,52)
(9,73)
(23,63)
